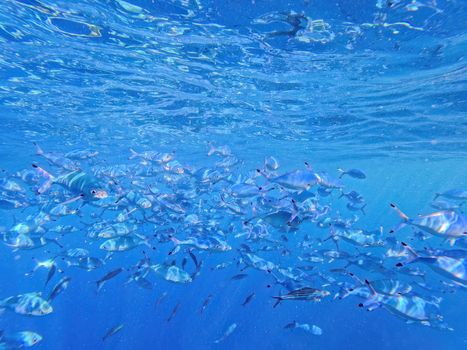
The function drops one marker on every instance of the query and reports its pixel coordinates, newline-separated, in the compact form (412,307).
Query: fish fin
(279,299)
(399,212)
(342,172)
(371,287)
(398,227)
(452,241)
(99,284)
(71,200)
(212,149)
(134,154)
(39,150)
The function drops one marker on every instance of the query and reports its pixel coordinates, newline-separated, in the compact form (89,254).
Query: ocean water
(374,85)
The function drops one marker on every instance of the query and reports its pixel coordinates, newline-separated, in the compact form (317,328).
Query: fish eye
(93,191)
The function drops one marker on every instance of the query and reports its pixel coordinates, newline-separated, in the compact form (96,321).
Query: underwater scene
(248,174)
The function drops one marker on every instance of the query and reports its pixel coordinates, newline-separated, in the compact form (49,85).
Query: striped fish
(305,293)
(447,223)
(77,182)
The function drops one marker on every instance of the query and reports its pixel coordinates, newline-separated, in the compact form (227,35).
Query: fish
(205,303)
(355,173)
(30,304)
(160,299)
(123,243)
(108,276)
(305,293)
(174,312)
(57,159)
(19,340)
(112,331)
(223,151)
(81,154)
(172,273)
(456,194)
(248,299)
(152,156)
(410,307)
(313,329)
(447,224)
(59,288)
(453,268)
(445,205)
(85,186)
(299,180)
(356,207)
(227,333)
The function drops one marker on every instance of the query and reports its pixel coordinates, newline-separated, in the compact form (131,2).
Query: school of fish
(179,216)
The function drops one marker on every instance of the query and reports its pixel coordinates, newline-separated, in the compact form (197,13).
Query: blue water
(375,85)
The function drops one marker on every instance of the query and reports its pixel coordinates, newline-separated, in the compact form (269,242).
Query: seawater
(374,85)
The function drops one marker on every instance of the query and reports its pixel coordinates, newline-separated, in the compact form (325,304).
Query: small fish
(160,299)
(205,303)
(81,154)
(305,293)
(299,180)
(57,159)
(223,151)
(112,331)
(174,312)
(456,194)
(59,288)
(228,332)
(445,205)
(315,330)
(271,163)
(239,276)
(248,299)
(355,173)
(100,283)
(172,273)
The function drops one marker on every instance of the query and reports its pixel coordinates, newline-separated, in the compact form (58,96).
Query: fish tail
(279,299)
(342,172)
(212,149)
(39,150)
(49,179)
(263,173)
(99,284)
(363,209)
(412,255)
(399,212)
(134,154)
